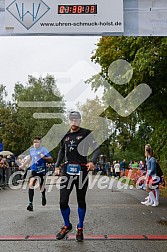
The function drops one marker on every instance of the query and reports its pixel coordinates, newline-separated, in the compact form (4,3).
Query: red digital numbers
(77,9)
(74,9)
(67,9)
(92,9)
(61,9)
(87,9)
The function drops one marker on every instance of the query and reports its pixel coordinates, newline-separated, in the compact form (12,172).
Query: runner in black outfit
(74,150)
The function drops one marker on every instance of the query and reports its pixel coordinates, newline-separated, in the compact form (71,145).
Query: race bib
(40,169)
(73,169)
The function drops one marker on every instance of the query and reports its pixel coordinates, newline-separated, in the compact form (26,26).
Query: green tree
(3,95)
(19,124)
(148,57)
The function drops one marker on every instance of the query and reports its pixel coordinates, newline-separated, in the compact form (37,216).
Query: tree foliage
(148,57)
(18,125)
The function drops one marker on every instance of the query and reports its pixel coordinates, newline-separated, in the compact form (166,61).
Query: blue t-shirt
(38,164)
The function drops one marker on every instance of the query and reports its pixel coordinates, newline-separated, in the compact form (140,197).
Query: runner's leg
(65,191)
(42,188)
(81,194)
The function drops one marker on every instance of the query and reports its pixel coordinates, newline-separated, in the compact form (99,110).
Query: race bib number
(40,169)
(73,169)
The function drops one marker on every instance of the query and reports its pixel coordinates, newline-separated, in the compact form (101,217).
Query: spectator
(97,168)
(150,177)
(112,170)
(107,168)
(135,165)
(122,167)
(117,169)
(3,166)
(130,165)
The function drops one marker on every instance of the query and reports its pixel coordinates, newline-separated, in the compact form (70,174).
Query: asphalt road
(115,220)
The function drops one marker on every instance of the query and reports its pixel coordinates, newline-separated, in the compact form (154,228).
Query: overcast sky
(67,58)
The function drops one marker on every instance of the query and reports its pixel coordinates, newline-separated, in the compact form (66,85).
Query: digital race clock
(77,9)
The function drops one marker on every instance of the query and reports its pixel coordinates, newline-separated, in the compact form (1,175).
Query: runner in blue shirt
(39,155)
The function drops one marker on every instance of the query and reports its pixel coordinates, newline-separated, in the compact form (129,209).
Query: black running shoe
(63,232)
(43,201)
(30,207)
(79,235)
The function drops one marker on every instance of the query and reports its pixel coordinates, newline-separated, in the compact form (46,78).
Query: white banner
(63,16)
(112,17)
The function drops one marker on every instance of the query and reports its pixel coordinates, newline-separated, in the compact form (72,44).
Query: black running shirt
(75,146)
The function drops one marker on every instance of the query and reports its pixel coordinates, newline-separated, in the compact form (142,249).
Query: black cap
(74,115)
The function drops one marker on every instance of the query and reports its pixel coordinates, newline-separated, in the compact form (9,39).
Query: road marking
(12,238)
(72,237)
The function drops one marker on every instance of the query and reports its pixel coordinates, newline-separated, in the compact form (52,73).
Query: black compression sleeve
(60,157)
(96,153)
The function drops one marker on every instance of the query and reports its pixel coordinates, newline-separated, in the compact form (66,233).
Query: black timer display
(77,9)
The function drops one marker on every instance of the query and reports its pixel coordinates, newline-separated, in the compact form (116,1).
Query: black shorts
(40,175)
